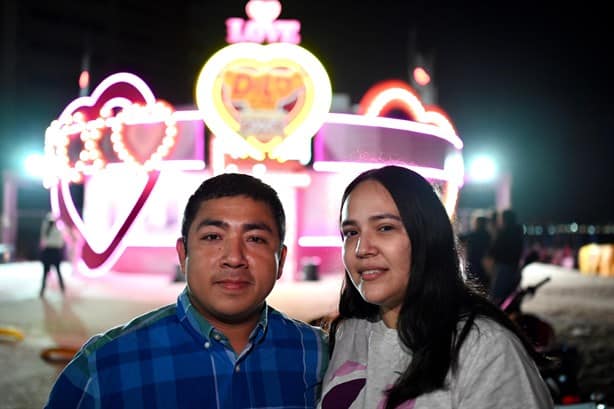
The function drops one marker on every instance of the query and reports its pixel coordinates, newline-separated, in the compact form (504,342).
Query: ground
(579,307)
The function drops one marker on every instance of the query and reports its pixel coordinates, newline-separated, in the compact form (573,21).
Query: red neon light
(387,96)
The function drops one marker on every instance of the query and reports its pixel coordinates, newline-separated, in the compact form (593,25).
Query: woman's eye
(349,233)
(386,228)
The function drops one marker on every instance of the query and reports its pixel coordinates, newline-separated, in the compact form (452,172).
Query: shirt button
(216,337)
(207,344)
(237,368)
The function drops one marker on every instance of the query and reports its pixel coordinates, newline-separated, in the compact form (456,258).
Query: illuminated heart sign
(75,144)
(76,141)
(264,100)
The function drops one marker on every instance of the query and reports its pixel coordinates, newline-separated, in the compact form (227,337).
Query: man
(506,252)
(477,244)
(220,345)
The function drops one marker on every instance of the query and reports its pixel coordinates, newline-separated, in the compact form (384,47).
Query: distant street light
(34,165)
(482,169)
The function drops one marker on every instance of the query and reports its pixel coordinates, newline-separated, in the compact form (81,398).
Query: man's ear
(181,253)
(282,260)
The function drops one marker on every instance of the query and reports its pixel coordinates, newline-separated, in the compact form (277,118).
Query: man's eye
(256,239)
(210,237)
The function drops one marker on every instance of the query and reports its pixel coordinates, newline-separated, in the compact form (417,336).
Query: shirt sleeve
(76,385)
(496,371)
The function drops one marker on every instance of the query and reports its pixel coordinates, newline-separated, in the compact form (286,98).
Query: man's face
(233,258)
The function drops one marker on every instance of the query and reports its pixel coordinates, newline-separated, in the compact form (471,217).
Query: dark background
(529,82)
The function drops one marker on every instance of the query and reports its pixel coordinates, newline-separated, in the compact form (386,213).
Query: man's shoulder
(281,321)
(144,322)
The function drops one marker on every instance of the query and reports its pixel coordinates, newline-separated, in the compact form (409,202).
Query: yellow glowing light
(264,100)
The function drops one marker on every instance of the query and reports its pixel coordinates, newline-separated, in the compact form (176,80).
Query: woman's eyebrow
(385,216)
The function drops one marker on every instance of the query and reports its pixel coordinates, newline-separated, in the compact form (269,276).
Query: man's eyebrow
(257,226)
(225,225)
(211,222)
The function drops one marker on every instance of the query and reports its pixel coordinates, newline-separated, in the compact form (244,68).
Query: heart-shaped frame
(85,117)
(300,126)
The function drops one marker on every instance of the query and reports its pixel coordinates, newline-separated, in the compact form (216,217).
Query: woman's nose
(364,247)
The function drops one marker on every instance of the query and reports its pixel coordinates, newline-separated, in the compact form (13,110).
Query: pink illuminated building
(262,107)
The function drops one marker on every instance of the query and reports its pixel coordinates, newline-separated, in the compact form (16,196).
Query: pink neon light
(122,82)
(121,99)
(399,124)
(97,263)
(320,241)
(263,26)
(354,168)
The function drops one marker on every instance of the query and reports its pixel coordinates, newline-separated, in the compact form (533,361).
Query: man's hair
(230,185)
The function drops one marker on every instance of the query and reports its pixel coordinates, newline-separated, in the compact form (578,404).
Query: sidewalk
(93,305)
(580,308)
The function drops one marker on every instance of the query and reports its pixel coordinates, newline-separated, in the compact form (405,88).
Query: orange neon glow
(421,76)
(264,100)
(84,79)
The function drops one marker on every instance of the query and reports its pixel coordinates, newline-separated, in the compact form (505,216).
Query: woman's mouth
(369,275)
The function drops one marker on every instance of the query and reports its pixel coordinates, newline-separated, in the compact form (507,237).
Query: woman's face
(376,248)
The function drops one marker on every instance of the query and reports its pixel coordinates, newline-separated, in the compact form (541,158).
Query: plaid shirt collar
(186,311)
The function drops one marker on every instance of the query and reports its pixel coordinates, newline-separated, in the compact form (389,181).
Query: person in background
(506,253)
(52,250)
(410,332)
(221,345)
(477,245)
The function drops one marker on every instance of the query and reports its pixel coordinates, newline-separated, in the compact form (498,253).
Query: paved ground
(581,308)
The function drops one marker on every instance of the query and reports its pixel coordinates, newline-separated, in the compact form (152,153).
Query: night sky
(530,84)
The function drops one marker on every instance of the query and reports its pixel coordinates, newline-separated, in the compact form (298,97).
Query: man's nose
(234,253)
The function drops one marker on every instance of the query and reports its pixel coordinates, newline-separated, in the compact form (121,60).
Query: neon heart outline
(134,90)
(96,263)
(145,114)
(263,11)
(296,146)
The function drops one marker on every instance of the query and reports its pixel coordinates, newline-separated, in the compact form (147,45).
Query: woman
(410,332)
(52,250)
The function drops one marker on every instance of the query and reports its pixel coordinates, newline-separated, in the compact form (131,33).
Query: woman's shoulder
(350,327)
(487,334)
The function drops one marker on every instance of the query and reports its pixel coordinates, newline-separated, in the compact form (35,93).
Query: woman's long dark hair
(436,299)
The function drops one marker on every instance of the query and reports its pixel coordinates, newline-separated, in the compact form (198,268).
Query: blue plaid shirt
(173,358)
